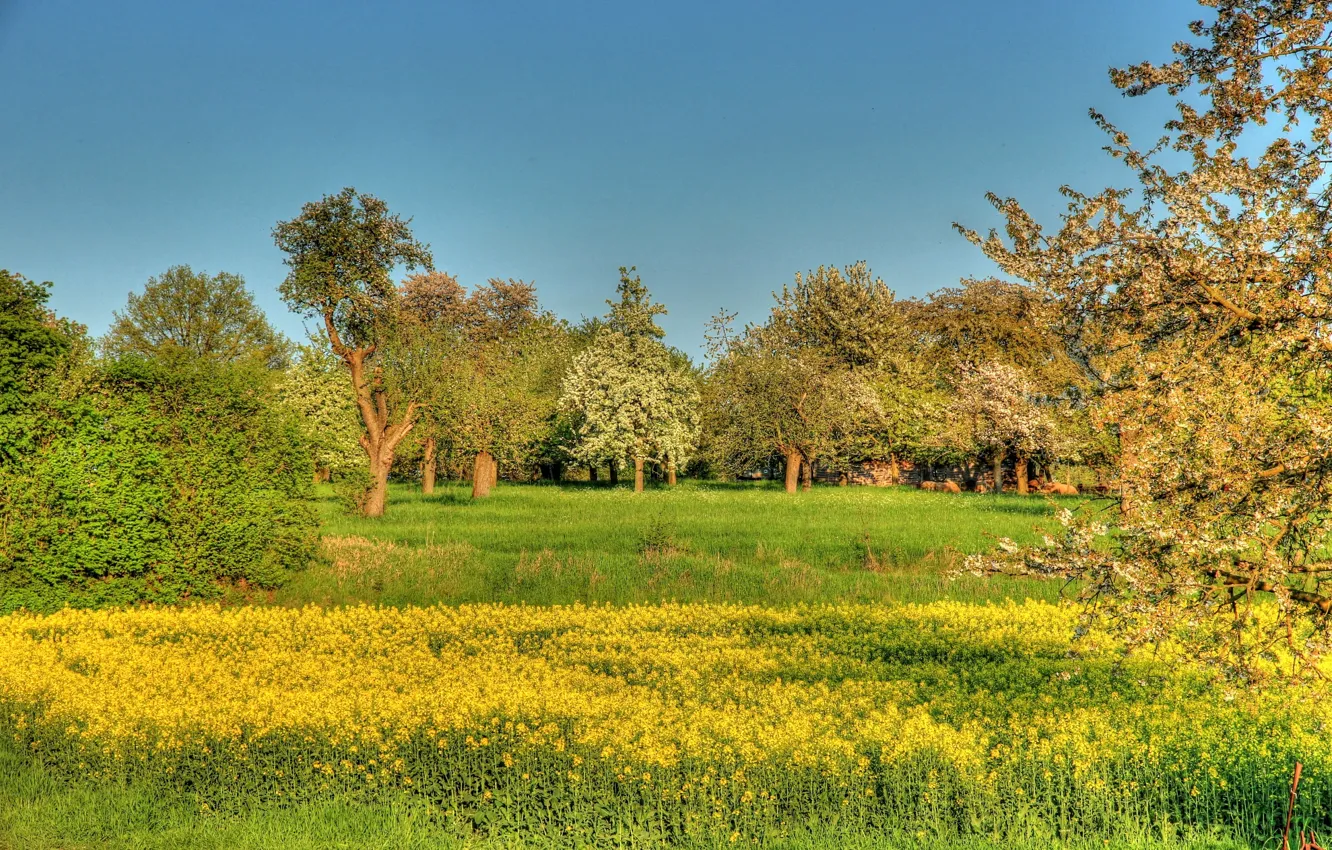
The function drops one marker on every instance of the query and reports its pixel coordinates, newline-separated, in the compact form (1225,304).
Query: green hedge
(153,481)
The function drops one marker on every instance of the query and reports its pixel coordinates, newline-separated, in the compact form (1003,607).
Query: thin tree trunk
(481,475)
(1021,475)
(794,459)
(893,469)
(806,475)
(614,475)
(428,467)
(592,474)
(638,474)
(999,471)
(670,472)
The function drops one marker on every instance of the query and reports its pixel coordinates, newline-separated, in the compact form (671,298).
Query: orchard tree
(811,382)
(995,411)
(1200,303)
(633,399)
(491,371)
(208,316)
(341,251)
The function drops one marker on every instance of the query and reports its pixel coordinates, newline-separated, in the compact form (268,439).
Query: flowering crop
(676,719)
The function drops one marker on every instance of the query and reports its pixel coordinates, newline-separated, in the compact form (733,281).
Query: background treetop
(211,316)
(341,251)
(634,315)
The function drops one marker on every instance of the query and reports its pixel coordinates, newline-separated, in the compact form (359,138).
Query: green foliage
(341,251)
(314,389)
(32,340)
(211,316)
(155,481)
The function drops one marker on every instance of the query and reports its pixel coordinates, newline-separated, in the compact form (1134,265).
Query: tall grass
(698,542)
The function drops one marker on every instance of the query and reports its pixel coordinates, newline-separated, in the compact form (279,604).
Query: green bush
(157,481)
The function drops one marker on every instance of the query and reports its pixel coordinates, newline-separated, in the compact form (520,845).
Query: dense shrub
(155,481)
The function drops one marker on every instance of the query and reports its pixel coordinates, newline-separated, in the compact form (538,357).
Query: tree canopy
(1199,304)
(210,316)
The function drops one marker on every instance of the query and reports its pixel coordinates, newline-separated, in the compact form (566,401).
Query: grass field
(699,542)
(741,668)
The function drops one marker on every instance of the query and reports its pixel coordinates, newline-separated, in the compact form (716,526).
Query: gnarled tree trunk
(638,474)
(794,459)
(381,437)
(482,469)
(428,467)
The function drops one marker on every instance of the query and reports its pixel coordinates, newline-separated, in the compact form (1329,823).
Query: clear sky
(719,146)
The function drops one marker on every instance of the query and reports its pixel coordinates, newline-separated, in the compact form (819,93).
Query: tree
(1199,305)
(211,316)
(633,399)
(996,411)
(315,392)
(807,383)
(32,339)
(487,364)
(341,251)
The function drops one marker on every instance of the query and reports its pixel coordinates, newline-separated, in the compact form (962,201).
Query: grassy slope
(550,545)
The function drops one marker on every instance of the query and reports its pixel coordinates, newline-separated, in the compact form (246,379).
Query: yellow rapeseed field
(735,720)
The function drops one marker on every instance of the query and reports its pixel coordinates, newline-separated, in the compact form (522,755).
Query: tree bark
(999,472)
(592,474)
(806,475)
(494,471)
(893,469)
(381,436)
(670,472)
(793,461)
(428,467)
(614,475)
(481,469)
(638,474)
(1021,470)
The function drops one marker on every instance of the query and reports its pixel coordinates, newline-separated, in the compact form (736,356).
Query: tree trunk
(793,461)
(380,438)
(428,467)
(893,469)
(1021,469)
(614,475)
(494,471)
(670,472)
(592,474)
(999,471)
(481,469)
(377,497)
(806,475)
(638,475)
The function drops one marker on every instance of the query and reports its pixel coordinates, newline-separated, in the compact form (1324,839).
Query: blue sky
(719,146)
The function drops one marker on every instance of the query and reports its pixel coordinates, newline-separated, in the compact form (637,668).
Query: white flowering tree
(315,390)
(632,399)
(995,411)
(1200,304)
